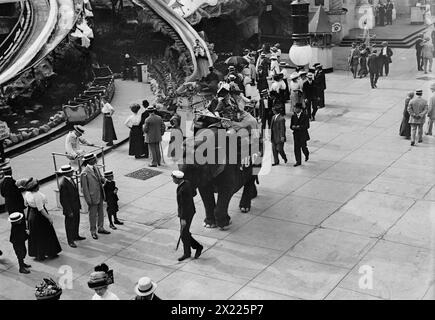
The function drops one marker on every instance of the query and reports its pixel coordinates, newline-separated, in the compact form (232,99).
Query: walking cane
(179,238)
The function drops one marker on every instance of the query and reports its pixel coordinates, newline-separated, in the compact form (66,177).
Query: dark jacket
(320,80)
(300,134)
(186,206)
(18,232)
(111,196)
(69,197)
(388,56)
(373,63)
(278,129)
(154,128)
(13,198)
(419,45)
(309,90)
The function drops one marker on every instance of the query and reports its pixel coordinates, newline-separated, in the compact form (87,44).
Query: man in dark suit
(389,12)
(309,90)
(14,201)
(320,83)
(144,116)
(154,128)
(186,211)
(70,201)
(385,58)
(278,136)
(418,50)
(300,124)
(373,66)
(265,109)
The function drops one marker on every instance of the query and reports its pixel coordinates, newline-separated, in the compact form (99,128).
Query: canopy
(320,22)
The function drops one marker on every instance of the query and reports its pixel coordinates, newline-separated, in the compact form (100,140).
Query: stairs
(406,42)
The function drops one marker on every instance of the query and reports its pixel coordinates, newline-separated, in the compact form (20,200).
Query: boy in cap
(111,192)
(18,239)
(70,200)
(417,109)
(186,211)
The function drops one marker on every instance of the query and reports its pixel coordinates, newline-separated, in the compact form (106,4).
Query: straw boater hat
(177,174)
(302,72)
(145,286)
(79,129)
(97,280)
(151,108)
(15,217)
(108,174)
(231,68)
(89,156)
(7,170)
(65,169)
(419,92)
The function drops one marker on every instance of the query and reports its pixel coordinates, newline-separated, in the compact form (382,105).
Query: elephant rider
(72,141)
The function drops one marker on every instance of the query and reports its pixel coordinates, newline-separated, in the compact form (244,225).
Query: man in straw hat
(417,109)
(72,141)
(186,211)
(431,110)
(427,54)
(70,201)
(14,201)
(18,239)
(92,185)
(154,128)
(145,289)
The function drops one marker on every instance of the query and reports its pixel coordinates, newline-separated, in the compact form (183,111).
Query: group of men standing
(384,12)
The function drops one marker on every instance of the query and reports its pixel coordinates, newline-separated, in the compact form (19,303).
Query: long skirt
(109,133)
(42,236)
(203,66)
(137,142)
(405,127)
(287,91)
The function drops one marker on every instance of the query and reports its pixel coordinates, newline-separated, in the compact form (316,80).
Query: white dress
(106,296)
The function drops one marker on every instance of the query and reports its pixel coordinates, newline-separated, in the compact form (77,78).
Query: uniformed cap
(264,92)
(108,173)
(177,174)
(231,68)
(15,217)
(419,92)
(302,72)
(89,156)
(294,75)
(79,129)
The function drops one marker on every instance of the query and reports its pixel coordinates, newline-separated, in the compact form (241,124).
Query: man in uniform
(14,201)
(417,108)
(300,124)
(72,141)
(186,211)
(92,185)
(320,82)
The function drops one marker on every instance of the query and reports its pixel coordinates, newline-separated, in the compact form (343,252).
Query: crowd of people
(383,13)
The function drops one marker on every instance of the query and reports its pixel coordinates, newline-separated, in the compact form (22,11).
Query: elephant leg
(221,210)
(249,192)
(207,196)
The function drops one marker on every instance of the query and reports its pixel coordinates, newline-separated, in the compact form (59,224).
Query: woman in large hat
(99,281)
(43,240)
(295,90)
(405,127)
(47,289)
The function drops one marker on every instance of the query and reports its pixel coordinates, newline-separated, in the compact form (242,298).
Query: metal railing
(76,163)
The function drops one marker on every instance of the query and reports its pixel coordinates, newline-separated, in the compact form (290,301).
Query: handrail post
(55,169)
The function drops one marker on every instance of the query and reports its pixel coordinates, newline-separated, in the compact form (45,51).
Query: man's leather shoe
(275,164)
(72,245)
(296,165)
(307,157)
(198,252)
(183,257)
(152,165)
(420,141)
(24,270)
(79,238)
(94,236)
(118,222)
(103,231)
(25,265)
(412,143)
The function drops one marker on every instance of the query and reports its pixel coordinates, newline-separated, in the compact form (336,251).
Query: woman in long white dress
(201,60)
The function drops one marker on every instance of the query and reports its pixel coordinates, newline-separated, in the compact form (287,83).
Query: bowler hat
(15,217)
(7,170)
(294,75)
(65,169)
(79,129)
(145,286)
(264,92)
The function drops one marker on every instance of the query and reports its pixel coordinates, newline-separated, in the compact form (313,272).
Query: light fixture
(300,52)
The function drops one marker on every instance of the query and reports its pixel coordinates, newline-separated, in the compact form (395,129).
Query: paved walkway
(39,161)
(363,200)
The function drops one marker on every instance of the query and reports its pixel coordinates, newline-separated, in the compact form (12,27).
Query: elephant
(222,177)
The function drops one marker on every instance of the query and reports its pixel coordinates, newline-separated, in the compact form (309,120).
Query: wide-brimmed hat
(15,217)
(97,280)
(108,174)
(294,75)
(65,169)
(145,286)
(177,174)
(31,183)
(302,72)
(89,156)
(79,129)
